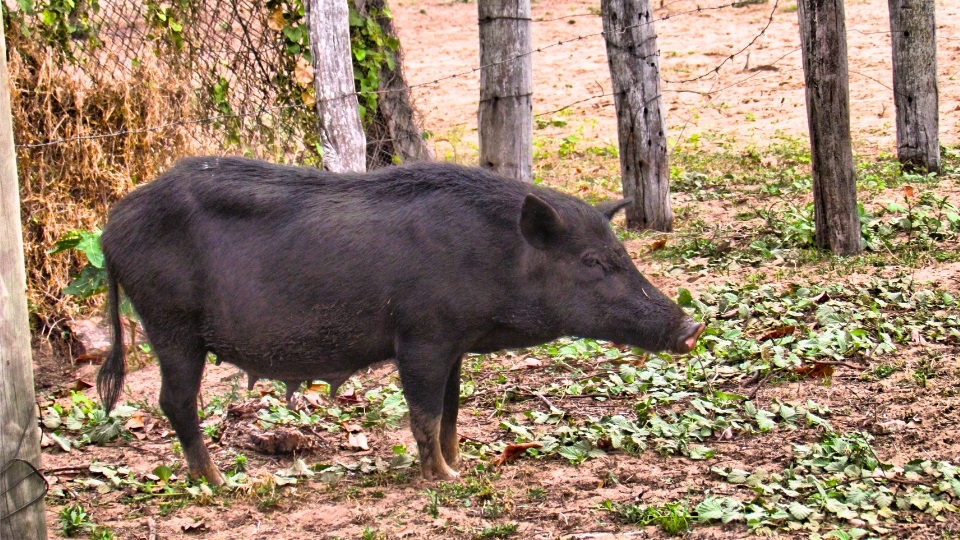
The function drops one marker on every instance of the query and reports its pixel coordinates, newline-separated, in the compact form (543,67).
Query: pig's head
(587,283)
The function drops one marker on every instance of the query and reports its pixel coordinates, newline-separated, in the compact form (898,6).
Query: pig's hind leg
(182,356)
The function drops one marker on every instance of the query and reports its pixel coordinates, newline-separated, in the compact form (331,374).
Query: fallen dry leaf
(917,338)
(909,191)
(526,363)
(313,398)
(357,440)
(657,244)
(355,436)
(308,97)
(783,331)
(303,72)
(195,526)
(276,22)
(816,370)
(135,421)
(348,396)
(514,450)
(82,385)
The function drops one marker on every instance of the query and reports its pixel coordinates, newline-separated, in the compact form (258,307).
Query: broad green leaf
(523,432)
(73,423)
(701,452)
(164,472)
(123,411)
(62,442)
(51,419)
(90,282)
(737,476)
(575,453)
(799,511)
(105,432)
(709,510)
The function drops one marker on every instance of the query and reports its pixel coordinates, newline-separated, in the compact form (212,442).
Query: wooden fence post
(823,40)
(641,127)
(913,31)
(505,116)
(19,431)
(341,133)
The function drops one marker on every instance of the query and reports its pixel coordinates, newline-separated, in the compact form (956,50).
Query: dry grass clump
(69,185)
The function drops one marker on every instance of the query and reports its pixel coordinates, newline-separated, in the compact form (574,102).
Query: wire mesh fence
(231,72)
(106,94)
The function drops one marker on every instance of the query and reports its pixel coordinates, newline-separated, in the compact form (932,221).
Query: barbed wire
(562,42)
(209,119)
(716,69)
(571,16)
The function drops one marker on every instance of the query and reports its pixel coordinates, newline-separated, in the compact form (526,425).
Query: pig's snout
(688,336)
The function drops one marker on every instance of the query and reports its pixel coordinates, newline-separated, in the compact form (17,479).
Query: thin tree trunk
(393,133)
(914,35)
(641,128)
(19,435)
(341,134)
(824,45)
(505,117)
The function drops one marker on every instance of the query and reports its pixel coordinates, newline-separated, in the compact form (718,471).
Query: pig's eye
(591,261)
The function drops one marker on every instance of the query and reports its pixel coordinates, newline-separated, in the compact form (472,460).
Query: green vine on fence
(219,94)
(63,25)
(167,21)
(372,50)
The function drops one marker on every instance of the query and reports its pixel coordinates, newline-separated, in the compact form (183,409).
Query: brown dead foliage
(69,186)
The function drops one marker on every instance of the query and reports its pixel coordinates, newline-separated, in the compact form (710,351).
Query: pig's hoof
(453,461)
(442,473)
(211,473)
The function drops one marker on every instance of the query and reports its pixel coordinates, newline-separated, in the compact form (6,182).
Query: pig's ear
(610,208)
(540,223)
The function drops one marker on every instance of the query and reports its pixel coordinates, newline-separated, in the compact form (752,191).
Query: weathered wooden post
(913,31)
(641,128)
(21,516)
(823,41)
(341,133)
(505,117)
(392,132)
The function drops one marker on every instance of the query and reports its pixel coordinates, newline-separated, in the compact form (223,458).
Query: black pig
(298,274)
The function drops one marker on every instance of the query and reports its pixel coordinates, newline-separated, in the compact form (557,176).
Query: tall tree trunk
(341,134)
(641,128)
(914,35)
(505,117)
(21,489)
(824,44)
(392,132)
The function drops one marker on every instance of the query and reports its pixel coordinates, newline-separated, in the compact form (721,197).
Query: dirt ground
(755,94)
